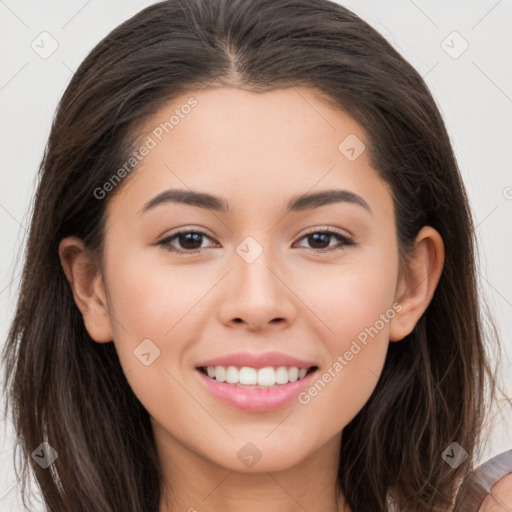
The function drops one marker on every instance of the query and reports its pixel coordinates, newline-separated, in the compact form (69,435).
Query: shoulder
(500,497)
(488,488)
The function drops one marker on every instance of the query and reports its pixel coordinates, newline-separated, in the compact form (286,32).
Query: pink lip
(254,399)
(257,361)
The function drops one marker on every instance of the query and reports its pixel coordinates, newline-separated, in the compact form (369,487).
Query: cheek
(356,304)
(353,295)
(357,352)
(151,309)
(150,300)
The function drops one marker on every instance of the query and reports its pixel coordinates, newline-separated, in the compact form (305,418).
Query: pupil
(315,237)
(188,239)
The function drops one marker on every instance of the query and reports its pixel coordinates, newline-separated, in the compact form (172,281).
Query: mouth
(256,390)
(256,378)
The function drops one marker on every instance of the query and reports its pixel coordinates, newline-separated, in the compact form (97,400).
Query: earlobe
(87,286)
(418,281)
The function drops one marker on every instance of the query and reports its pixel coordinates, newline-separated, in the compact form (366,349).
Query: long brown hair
(65,389)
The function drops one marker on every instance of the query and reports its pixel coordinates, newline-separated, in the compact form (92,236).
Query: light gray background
(473,91)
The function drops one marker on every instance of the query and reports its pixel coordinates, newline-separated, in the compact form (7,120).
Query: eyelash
(342,238)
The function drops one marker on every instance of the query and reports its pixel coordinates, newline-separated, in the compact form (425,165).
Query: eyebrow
(297,203)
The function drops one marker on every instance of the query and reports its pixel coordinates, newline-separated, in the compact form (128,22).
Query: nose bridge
(254,260)
(256,294)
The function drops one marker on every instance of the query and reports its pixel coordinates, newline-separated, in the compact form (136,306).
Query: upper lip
(253,360)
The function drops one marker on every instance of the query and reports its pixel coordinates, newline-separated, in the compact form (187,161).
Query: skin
(500,497)
(255,151)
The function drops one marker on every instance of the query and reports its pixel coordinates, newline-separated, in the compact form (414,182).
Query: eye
(320,240)
(191,241)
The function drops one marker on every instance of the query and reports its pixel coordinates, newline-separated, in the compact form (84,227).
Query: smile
(255,397)
(256,378)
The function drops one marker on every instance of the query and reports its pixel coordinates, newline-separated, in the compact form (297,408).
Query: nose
(256,295)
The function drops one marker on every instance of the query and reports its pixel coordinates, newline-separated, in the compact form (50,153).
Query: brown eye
(190,242)
(320,241)
(187,241)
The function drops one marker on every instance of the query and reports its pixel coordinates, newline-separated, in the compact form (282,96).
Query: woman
(270,368)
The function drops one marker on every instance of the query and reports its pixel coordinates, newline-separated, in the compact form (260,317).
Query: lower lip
(254,399)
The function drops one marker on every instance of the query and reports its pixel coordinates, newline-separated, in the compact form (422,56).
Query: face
(317,281)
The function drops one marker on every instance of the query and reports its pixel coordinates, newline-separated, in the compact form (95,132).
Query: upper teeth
(267,376)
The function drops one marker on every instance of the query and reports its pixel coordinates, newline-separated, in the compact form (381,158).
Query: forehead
(245,122)
(249,145)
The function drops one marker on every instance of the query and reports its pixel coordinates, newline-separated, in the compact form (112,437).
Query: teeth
(263,377)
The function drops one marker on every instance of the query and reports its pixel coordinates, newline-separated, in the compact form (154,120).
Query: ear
(417,282)
(86,282)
